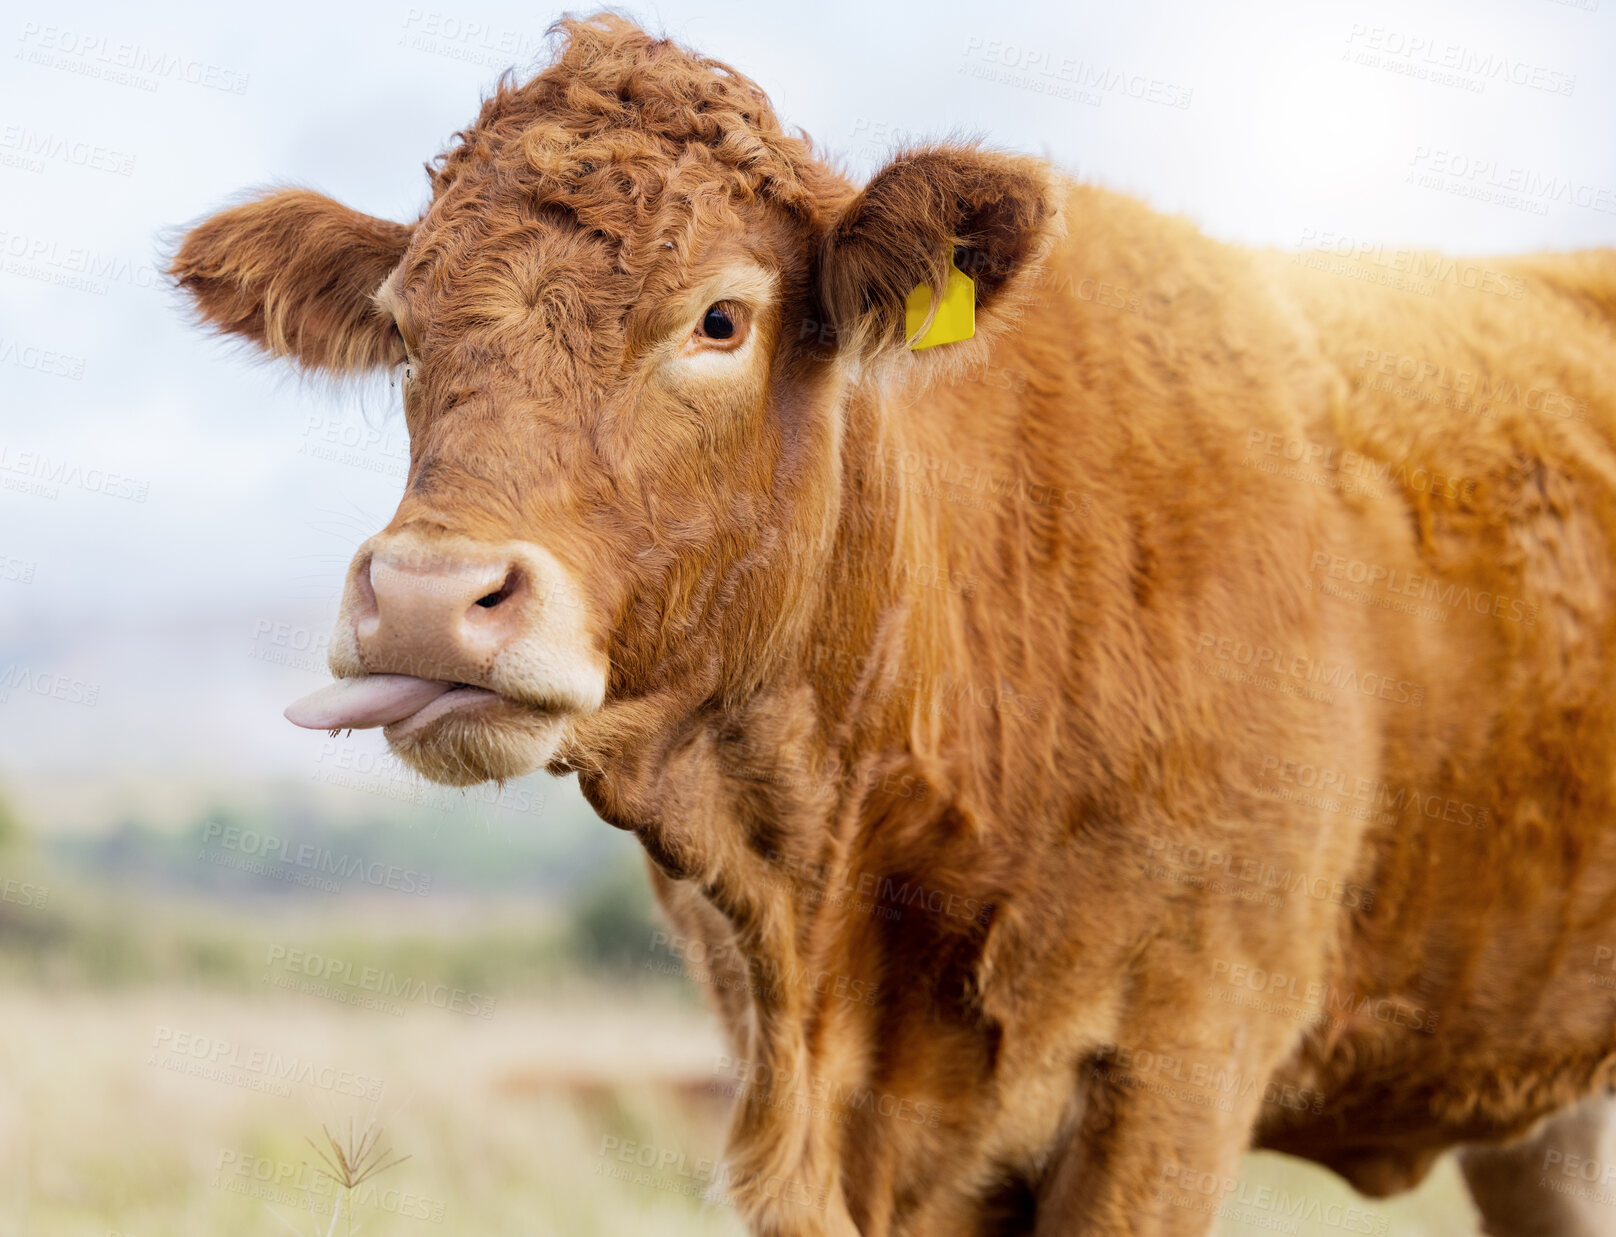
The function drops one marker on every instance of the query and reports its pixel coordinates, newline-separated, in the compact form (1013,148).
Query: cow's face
(622,331)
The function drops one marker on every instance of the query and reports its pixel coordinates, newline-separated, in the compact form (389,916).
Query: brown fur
(797,708)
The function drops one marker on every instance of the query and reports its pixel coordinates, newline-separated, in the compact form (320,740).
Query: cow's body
(1505,929)
(1177,718)
(1456,873)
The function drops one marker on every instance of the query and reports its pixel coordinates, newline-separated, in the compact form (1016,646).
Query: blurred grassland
(152,1083)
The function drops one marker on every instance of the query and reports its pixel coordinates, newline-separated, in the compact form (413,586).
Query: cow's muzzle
(451,643)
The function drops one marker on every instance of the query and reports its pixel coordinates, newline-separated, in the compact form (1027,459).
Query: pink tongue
(371,700)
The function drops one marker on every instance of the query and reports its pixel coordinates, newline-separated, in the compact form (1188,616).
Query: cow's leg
(1560,1181)
(1164,1122)
(1143,1163)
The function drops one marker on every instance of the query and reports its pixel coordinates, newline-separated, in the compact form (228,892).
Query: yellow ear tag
(956,316)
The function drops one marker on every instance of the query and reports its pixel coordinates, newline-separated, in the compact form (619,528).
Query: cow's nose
(437,617)
(427,609)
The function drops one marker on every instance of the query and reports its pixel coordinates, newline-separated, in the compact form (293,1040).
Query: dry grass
(506,1123)
(99,1134)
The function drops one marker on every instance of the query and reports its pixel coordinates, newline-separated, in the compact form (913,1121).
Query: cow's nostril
(490,600)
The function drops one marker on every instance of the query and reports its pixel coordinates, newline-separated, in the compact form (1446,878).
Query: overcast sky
(210,502)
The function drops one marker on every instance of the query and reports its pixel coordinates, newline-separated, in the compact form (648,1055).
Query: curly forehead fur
(573,208)
(622,123)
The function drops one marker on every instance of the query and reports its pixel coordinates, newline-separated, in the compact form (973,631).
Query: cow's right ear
(988,214)
(294,272)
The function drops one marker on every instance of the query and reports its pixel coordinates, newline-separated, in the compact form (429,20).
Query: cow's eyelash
(403,371)
(405,364)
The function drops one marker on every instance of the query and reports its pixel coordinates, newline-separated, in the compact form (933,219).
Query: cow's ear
(294,272)
(989,214)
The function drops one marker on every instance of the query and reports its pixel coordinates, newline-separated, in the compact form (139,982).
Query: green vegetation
(185,1056)
(204,905)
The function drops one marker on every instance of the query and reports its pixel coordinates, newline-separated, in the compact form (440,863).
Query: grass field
(159,1113)
(122,1113)
(168,1067)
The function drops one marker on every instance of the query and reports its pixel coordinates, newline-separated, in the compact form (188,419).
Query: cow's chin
(489,743)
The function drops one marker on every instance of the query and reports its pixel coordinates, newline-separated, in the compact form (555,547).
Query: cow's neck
(932,652)
(836,822)
(921,687)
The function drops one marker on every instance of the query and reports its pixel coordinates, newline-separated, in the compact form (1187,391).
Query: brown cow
(1177,719)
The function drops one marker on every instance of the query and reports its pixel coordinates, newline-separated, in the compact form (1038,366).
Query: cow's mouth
(455,733)
(400,702)
(460,697)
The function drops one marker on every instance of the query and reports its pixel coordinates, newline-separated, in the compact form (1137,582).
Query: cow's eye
(718,322)
(723,327)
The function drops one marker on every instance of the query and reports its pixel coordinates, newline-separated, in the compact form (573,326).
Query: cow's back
(1475,402)
(1410,466)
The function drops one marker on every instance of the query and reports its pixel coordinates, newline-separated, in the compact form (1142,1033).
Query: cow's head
(624,329)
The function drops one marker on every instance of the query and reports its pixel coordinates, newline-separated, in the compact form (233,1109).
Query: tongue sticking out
(358,704)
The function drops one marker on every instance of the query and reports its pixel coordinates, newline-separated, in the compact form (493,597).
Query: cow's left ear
(989,214)
(294,273)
